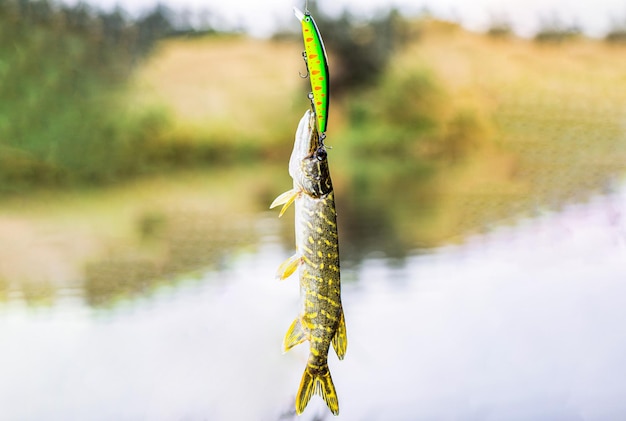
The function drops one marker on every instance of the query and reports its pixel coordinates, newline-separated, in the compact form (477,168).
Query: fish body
(321,320)
(317,65)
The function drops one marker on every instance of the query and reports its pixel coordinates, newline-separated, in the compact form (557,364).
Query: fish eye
(321,154)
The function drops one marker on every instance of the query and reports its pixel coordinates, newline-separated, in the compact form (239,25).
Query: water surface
(522,322)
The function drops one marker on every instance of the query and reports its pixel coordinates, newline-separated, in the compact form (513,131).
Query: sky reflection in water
(523,323)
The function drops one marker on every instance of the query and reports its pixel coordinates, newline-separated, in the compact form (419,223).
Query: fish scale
(321,266)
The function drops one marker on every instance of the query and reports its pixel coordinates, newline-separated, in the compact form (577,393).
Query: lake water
(522,322)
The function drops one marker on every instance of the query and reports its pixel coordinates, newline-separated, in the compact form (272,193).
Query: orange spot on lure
(314,49)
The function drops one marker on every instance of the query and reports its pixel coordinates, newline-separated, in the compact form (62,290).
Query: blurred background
(478,156)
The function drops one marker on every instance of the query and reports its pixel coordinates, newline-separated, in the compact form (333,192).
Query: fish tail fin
(317,382)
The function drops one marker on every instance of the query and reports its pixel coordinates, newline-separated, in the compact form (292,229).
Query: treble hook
(306,63)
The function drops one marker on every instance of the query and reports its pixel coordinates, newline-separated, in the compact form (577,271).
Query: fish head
(308,165)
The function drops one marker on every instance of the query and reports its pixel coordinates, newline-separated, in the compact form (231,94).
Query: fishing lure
(317,66)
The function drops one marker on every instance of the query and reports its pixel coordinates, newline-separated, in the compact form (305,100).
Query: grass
(233,91)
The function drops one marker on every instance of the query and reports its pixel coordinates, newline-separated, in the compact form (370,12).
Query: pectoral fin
(295,335)
(288,267)
(285,199)
(340,340)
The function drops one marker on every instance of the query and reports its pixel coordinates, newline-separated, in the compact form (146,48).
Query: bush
(553,30)
(402,112)
(617,33)
(63,115)
(500,28)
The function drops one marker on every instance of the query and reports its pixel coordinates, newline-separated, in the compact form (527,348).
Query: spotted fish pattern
(321,320)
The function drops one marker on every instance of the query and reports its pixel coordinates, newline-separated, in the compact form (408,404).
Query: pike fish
(321,320)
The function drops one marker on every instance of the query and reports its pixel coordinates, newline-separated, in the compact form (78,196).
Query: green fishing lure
(317,66)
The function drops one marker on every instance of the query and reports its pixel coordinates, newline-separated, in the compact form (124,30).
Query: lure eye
(307,19)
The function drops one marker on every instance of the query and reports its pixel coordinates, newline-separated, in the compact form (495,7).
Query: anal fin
(288,267)
(295,335)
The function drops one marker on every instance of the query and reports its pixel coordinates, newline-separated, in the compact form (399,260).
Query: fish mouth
(299,13)
(307,141)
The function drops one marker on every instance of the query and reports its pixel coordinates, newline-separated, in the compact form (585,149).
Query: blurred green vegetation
(63,116)
(409,118)
(396,117)
(66,115)
(74,120)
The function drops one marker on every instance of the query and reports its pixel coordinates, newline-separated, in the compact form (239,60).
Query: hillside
(230,89)
(557,112)
(517,125)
